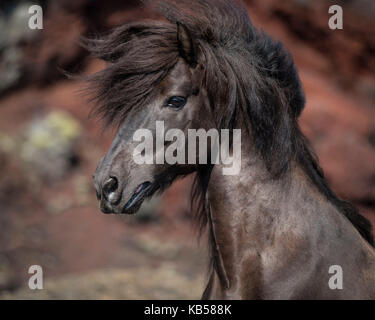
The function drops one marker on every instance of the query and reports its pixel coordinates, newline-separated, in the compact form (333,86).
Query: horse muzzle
(113,200)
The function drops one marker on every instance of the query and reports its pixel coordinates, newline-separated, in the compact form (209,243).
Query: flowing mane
(249,77)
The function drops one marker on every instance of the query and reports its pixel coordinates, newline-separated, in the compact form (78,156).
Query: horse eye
(176,102)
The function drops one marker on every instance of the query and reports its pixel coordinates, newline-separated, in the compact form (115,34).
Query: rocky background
(49,148)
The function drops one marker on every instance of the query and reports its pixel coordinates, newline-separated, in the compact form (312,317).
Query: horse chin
(143,191)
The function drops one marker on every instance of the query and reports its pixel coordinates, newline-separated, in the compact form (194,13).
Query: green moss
(64,125)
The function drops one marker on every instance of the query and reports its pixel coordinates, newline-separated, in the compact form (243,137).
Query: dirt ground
(142,268)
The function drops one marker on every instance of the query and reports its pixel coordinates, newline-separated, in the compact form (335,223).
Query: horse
(276,229)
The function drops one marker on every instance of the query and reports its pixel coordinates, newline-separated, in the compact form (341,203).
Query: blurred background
(49,148)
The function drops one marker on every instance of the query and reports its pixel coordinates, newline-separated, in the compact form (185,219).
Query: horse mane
(248,77)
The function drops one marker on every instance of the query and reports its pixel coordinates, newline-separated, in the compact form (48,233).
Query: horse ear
(186,45)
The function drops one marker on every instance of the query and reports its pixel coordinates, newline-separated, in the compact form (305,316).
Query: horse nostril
(110,186)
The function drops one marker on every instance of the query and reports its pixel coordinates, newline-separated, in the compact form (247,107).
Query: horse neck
(249,212)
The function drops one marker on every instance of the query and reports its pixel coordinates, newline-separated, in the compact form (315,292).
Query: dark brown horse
(276,229)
